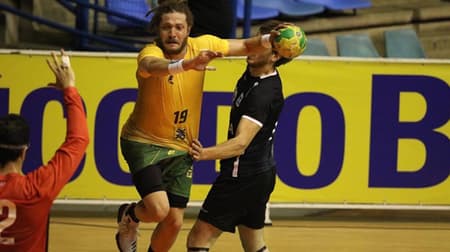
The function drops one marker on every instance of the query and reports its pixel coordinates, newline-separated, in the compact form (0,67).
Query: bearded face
(173,33)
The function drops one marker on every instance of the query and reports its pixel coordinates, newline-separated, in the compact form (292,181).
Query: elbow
(83,142)
(240,148)
(86,142)
(84,139)
(142,73)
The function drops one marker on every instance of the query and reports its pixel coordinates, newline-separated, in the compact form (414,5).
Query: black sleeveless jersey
(259,99)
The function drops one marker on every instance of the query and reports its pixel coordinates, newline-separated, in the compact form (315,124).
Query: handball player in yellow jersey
(157,136)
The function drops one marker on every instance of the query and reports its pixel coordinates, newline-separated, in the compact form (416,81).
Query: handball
(291,42)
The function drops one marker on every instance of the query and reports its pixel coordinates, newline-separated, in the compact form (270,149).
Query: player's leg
(177,179)
(147,178)
(166,231)
(153,207)
(251,226)
(252,240)
(202,236)
(220,212)
(146,163)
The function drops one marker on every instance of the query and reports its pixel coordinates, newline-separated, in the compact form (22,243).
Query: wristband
(175,67)
(265,41)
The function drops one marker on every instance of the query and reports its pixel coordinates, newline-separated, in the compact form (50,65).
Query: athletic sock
(195,249)
(131,213)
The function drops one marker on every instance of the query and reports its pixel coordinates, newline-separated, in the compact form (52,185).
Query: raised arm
(53,176)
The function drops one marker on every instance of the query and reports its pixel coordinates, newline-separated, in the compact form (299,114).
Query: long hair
(169,6)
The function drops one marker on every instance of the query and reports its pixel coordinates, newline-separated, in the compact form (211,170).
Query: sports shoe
(127,232)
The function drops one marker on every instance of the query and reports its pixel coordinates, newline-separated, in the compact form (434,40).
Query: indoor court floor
(333,231)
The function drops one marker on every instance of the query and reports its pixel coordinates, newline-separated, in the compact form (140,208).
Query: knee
(175,224)
(155,211)
(158,212)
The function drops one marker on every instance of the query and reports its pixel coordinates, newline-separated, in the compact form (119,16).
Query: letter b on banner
(387,130)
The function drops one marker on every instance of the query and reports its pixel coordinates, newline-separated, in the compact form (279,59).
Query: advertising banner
(351,131)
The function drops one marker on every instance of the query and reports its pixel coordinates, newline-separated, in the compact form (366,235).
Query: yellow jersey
(168,108)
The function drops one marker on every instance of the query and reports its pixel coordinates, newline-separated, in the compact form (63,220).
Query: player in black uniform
(239,195)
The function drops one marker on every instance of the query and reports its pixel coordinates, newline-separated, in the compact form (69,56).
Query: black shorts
(238,201)
(150,180)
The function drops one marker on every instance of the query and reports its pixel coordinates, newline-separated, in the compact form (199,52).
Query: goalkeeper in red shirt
(25,200)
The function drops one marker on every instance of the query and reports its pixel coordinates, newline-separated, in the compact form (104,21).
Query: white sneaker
(127,231)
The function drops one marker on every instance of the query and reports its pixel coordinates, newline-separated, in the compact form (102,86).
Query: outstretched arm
(256,44)
(252,45)
(244,47)
(161,67)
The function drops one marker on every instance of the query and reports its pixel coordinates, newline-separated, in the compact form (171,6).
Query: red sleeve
(51,178)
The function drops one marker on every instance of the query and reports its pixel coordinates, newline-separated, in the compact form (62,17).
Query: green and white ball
(291,42)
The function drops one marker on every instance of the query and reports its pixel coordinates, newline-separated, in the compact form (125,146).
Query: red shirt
(25,201)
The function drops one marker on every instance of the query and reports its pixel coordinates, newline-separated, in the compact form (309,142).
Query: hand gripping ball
(291,42)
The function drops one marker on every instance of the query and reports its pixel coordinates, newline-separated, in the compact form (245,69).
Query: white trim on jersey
(268,75)
(253,120)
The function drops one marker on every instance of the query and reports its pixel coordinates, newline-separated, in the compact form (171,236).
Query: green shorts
(174,167)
